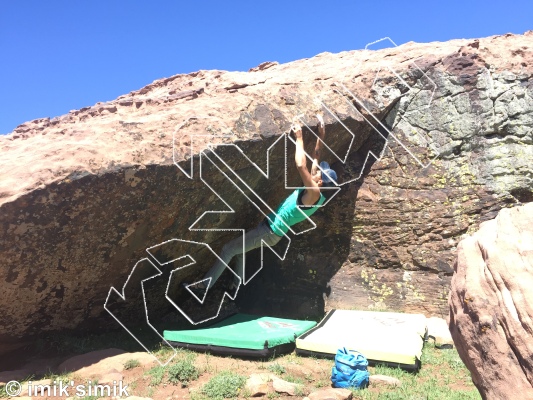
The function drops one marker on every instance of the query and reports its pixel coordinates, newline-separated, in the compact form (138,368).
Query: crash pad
(394,339)
(242,334)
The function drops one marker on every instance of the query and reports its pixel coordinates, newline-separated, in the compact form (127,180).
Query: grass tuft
(227,384)
(130,364)
(157,373)
(276,368)
(183,371)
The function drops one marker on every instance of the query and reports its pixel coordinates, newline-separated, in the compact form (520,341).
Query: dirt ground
(442,376)
(313,373)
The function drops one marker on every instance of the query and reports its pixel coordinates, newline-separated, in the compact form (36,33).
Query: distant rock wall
(82,196)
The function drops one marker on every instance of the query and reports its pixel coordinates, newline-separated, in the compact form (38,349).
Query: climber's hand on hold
(297,129)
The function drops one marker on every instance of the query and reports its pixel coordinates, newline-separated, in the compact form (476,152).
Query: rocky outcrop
(98,363)
(491,305)
(83,196)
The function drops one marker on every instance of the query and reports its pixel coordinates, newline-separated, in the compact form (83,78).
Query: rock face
(491,305)
(83,196)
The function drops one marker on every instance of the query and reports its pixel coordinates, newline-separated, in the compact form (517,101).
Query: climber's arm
(318,146)
(301,161)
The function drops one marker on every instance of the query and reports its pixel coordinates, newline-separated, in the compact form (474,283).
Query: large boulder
(491,305)
(84,195)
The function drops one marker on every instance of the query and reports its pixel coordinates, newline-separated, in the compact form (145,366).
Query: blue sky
(58,56)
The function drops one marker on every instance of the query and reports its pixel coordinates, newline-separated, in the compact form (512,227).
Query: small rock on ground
(257,384)
(384,379)
(290,388)
(331,394)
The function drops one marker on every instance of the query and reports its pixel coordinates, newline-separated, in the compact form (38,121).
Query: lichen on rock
(83,195)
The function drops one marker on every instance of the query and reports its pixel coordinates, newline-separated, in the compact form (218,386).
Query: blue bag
(350,370)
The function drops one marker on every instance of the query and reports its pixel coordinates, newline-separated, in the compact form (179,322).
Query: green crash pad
(243,334)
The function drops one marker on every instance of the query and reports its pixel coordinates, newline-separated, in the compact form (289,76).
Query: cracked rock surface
(491,305)
(83,195)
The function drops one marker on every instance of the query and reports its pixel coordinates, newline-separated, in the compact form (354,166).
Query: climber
(301,204)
